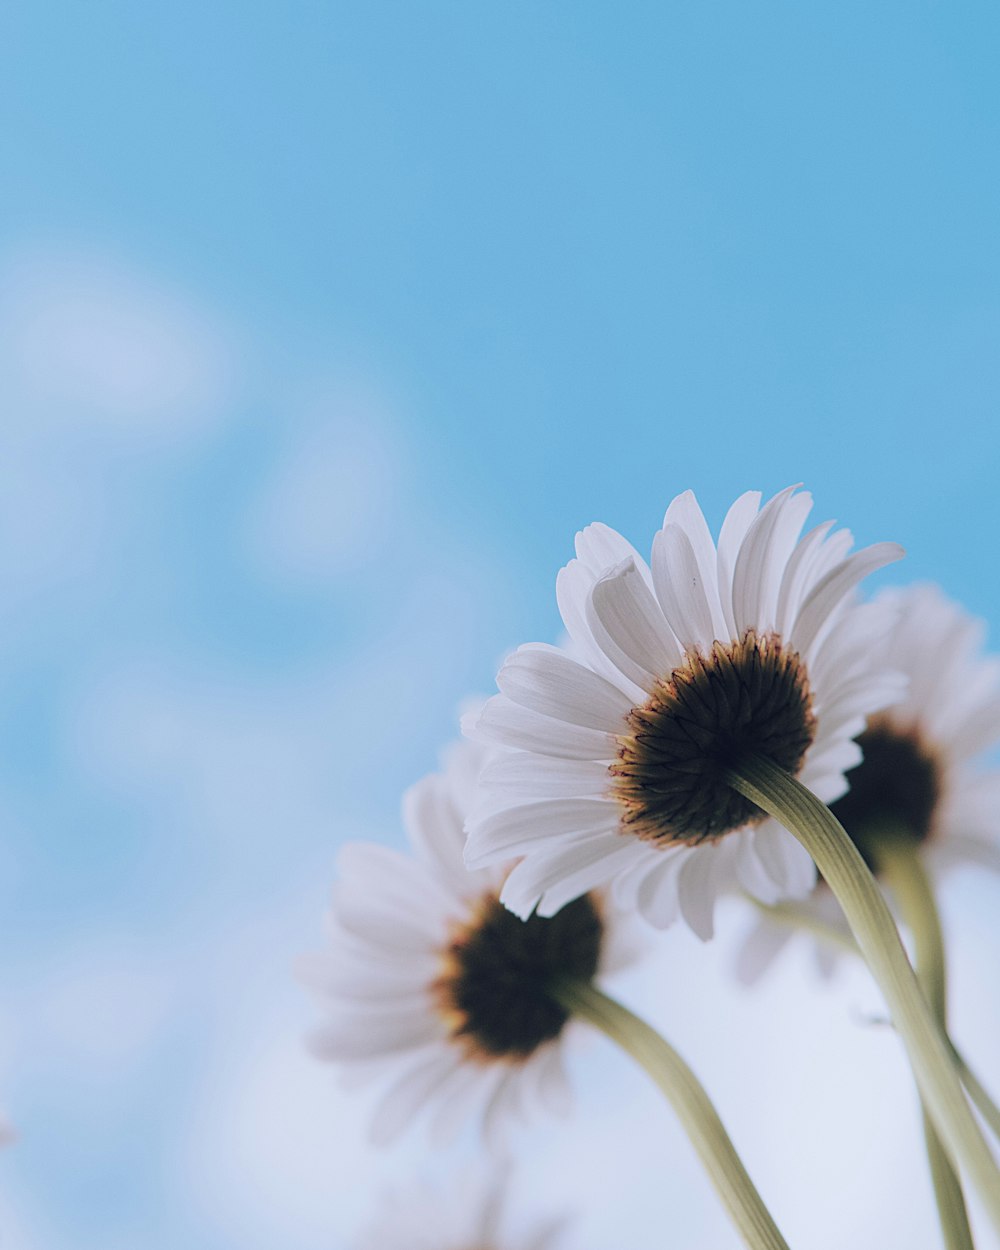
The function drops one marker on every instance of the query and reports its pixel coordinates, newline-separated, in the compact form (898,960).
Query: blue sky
(322,329)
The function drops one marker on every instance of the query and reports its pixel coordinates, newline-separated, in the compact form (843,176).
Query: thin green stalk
(984,1104)
(800,917)
(837,858)
(900,864)
(689,1100)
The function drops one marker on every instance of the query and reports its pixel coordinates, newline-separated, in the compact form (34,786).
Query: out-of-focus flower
(429,979)
(921,779)
(617,761)
(472,1215)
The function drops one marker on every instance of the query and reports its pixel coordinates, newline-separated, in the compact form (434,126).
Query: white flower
(617,762)
(430,981)
(471,1215)
(921,777)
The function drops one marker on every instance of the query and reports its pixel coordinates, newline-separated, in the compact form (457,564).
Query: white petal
(457,1099)
(405,1098)
(755,579)
(838,755)
(553,1083)
(629,615)
(751,868)
(362,1037)
(517,830)
(830,590)
(518,727)
(681,589)
(795,578)
(346,977)
(788,863)
(573,587)
(600,857)
(577,872)
(789,519)
(522,775)
(696,891)
(685,512)
(600,547)
(388,915)
(499,1107)
(738,520)
(656,897)
(547,680)
(435,830)
(980,730)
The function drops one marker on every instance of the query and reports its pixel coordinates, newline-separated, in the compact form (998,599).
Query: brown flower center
(894,790)
(744,698)
(493,990)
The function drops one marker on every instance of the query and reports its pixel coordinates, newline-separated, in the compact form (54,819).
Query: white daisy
(429,979)
(471,1215)
(617,762)
(922,776)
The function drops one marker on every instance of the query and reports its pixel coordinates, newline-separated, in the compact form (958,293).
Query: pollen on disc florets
(494,988)
(744,698)
(894,791)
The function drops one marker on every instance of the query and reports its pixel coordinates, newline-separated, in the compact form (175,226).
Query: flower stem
(837,858)
(984,1104)
(689,1100)
(799,917)
(900,864)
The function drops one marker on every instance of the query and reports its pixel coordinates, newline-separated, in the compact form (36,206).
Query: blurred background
(323,327)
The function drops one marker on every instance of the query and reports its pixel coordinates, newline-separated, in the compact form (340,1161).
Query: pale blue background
(322,329)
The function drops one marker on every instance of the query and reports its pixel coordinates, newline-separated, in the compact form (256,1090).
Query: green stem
(797,916)
(690,1102)
(985,1105)
(837,858)
(900,864)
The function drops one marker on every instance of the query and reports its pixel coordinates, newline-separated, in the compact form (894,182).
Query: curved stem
(797,916)
(689,1100)
(837,858)
(984,1104)
(901,866)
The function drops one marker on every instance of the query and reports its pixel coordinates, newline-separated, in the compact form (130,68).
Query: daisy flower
(921,780)
(616,761)
(430,982)
(472,1215)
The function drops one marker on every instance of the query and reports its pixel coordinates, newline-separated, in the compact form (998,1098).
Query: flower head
(618,754)
(430,978)
(921,777)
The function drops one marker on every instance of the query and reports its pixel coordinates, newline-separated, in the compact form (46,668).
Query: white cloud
(87,343)
(105,1006)
(331,504)
(277,1152)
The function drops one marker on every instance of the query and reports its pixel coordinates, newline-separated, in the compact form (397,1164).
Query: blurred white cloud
(276,1152)
(89,343)
(105,1005)
(102,367)
(333,502)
